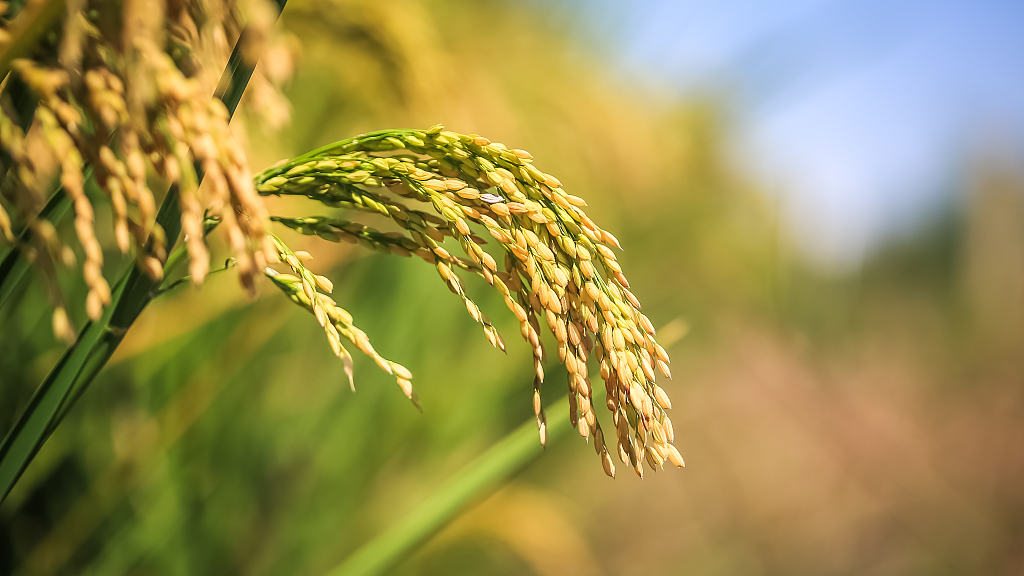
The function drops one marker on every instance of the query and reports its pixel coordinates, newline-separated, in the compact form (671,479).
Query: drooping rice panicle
(559,266)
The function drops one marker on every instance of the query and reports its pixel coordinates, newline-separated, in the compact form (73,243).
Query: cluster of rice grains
(558,266)
(308,290)
(128,105)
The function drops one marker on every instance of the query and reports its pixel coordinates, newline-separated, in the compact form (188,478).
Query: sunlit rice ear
(560,268)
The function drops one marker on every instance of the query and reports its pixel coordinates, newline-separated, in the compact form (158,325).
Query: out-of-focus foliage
(867,424)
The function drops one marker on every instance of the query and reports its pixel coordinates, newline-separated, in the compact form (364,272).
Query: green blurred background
(864,422)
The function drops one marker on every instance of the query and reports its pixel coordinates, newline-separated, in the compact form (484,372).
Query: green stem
(181,253)
(473,483)
(228,265)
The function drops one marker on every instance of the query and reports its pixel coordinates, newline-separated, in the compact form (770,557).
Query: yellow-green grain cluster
(310,291)
(557,266)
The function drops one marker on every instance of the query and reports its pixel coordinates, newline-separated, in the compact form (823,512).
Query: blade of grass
(94,365)
(97,341)
(203,380)
(476,481)
(30,430)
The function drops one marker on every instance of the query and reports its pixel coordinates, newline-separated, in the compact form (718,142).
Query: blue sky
(863,116)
